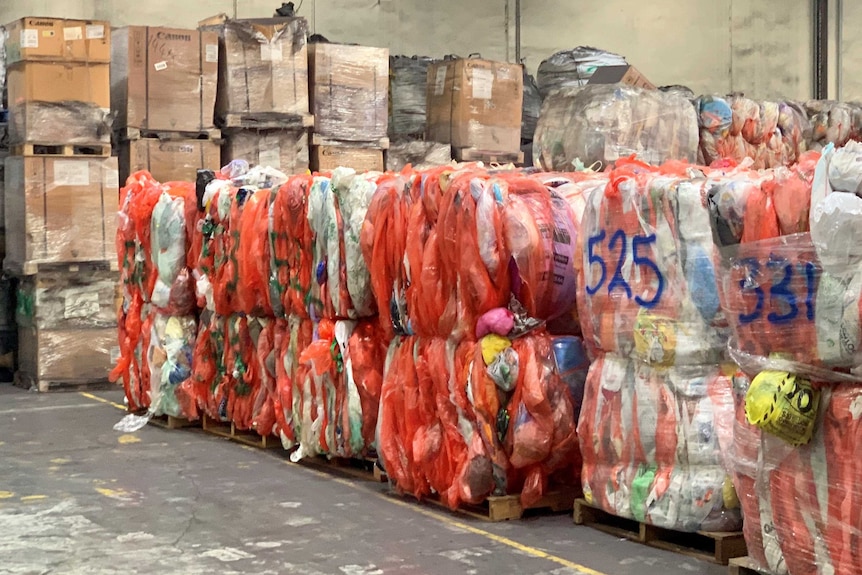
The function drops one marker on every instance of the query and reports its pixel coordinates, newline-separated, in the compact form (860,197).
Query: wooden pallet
(98,150)
(267,121)
(745,566)
(246,437)
(365,469)
(378,144)
(507,507)
(474,155)
(717,547)
(171,422)
(31,383)
(34,267)
(132,134)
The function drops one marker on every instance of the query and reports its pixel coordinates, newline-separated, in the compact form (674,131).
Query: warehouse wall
(761,47)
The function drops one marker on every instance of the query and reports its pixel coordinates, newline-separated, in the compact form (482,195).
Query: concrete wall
(760,47)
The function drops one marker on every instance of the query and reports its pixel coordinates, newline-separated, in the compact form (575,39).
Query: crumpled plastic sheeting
(573,68)
(833,122)
(771,134)
(445,429)
(801,505)
(408,78)
(169,358)
(652,440)
(603,123)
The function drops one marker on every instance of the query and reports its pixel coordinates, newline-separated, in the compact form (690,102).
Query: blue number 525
(618,281)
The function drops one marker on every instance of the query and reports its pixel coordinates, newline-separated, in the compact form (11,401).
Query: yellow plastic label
(655,339)
(784,405)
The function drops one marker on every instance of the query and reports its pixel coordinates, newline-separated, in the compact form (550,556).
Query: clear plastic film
(799,502)
(69,122)
(284,150)
(64,210)
(604,123)
(169,359)
(408,78)
(418,154)
(349,91)
(771,133)
(573,68)
(833,122)
(263,65)
(66,300)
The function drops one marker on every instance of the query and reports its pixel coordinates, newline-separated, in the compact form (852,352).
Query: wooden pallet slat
(508,507)
(96,149)
(365,469)
(474,155)
(130,134)
(31,268)
(745,566)
(267,121)
(246,437)
(717,547)
(377,144)
(172,422)
(32,383)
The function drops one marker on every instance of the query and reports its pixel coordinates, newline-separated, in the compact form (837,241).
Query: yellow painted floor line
(416,508)
(103,400)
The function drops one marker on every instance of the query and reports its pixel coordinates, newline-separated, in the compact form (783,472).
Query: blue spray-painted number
(783,302)
(618,281)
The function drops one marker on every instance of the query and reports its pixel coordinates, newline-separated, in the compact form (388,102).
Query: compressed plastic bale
(603,123)
(253,256)
(408,77)
(531,107)
(364,363)
(242,378)
(831,122)
(290,214)
(315,389)
(169,359)
(573,68)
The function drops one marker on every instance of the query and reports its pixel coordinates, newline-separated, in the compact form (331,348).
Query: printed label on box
(483,83)
(81,305)
(111,178)
(75,33)
(29,38)
(440,81)
(159,66)
(212,53)
(47,33)
(71,173)
(271,157)
(271,52)
(95,31)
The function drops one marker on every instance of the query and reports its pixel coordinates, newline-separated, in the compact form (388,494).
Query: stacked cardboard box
(262,102)
(61,185)
(163,92)
(349,96)
(475,105)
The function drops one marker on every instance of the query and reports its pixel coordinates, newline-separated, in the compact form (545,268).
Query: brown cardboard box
(58,40)
(59,103)
(326,158)
(168,160)
(349,91)
(628,75)
(475,104)
(164,78)
(263,65)
(62,299)
(66,355)
(283,150)
(60,209)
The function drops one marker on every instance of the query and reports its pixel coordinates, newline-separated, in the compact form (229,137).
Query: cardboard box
(283,150)
(58,299)
(168,160)
(327,158)
(58,40)
(349,91)
(475,104)
(628,75)
(66,355)
(164,78)
(60,209)
(263,65)
(59,103)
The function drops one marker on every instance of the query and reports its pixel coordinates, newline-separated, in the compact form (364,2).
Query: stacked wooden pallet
(60,200)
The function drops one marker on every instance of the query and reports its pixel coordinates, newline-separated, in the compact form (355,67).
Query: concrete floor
(78,497)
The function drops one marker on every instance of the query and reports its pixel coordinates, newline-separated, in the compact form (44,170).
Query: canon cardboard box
(164,78)
(59,103)
(263,65)
(168,160)
(60,209)
(326,158)
(475,104)
(58,40)
(283,150)
(349,91)
(628,75)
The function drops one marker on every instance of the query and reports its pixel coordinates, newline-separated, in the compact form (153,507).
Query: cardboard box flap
(628,75)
